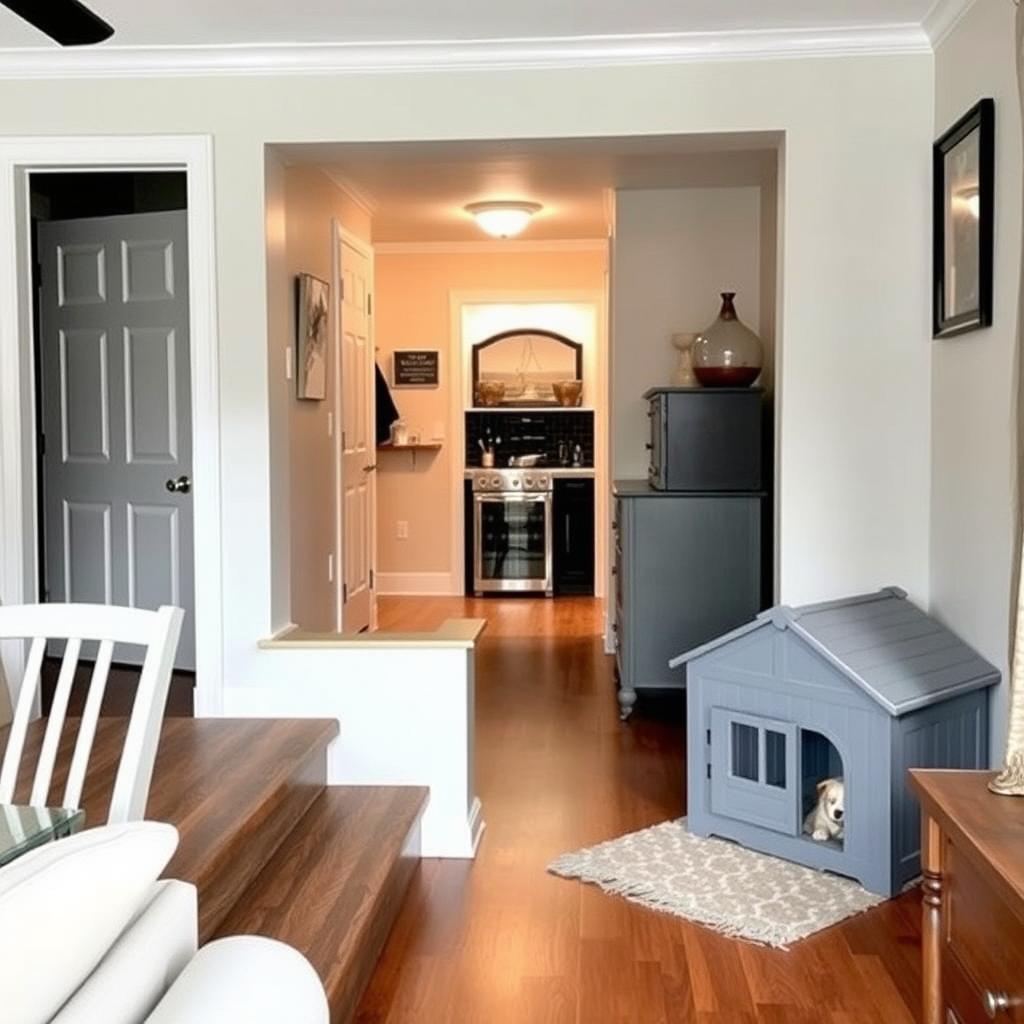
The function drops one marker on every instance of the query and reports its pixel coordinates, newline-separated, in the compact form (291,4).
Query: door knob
(182,485)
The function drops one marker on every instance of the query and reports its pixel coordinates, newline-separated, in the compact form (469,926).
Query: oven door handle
(512,499)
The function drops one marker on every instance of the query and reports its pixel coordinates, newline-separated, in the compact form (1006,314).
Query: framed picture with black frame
(963,220)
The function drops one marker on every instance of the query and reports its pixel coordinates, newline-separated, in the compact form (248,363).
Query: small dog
(825,820)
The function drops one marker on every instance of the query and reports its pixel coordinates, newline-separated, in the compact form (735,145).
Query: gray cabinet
(688,567)
(705,439)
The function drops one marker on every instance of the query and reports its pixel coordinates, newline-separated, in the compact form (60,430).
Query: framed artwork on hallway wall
(963,217)
(312,304)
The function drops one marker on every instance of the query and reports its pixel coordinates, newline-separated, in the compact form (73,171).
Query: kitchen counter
(555,472)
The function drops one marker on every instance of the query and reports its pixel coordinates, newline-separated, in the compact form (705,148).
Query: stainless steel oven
(512,531)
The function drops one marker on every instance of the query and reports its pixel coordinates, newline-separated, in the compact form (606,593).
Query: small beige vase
(684,377)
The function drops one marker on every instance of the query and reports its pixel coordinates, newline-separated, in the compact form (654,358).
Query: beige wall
(312,202)
(413,310)
(855,268)
(675,251)
(973,378)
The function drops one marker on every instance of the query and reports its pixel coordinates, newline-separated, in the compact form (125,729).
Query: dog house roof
(899,656)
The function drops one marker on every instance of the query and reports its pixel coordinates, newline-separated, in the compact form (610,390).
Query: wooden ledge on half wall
(453,633)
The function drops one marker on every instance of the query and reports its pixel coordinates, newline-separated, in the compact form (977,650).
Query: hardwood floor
(506,616)
(119,696)
(499,940)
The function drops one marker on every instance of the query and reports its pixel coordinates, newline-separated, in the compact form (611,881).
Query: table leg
(931,922)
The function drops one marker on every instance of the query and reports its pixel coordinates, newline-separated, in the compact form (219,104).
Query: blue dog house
(862,689)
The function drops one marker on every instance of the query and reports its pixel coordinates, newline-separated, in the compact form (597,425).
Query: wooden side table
(972,857)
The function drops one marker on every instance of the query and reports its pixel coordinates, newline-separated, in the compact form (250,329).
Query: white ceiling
(140,23)
(417,191)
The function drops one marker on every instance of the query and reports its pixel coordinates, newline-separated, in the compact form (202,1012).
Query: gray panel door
(754,770)
(117,415)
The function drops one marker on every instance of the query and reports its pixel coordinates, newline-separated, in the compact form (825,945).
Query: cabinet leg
(627,698)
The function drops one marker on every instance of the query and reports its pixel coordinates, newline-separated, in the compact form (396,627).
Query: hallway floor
(499,941)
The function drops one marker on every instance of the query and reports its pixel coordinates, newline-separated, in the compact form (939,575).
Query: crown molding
(364,199)
(466,55)
(943,18)
(505,247)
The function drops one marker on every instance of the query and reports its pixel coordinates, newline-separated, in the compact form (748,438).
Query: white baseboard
(415,584)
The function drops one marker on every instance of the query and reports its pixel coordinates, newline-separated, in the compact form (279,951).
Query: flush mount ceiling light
(503,219)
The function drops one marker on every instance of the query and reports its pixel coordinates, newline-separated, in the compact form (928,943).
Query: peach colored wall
(312,201)
(412,310)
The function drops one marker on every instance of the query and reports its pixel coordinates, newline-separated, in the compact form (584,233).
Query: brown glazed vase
(727,354)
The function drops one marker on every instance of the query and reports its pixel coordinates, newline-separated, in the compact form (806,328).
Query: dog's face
(830,797)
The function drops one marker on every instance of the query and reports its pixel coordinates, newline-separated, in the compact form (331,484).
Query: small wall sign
(415,368)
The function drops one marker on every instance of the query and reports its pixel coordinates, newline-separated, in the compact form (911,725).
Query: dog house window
(753,771)
(775,758)
(745,753)
(749,744)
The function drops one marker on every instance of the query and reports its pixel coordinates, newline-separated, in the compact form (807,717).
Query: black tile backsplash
(523,433)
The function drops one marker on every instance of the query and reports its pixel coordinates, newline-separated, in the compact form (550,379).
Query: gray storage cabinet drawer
(689,570)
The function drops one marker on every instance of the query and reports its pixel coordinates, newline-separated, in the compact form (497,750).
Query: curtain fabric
(1010,781)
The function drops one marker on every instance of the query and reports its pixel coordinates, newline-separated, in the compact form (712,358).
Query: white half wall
(974,376)
(406,719)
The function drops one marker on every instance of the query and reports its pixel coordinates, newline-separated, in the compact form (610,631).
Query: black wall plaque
(415,368)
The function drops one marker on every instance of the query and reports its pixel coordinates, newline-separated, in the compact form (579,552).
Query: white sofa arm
(246,978)
(138,969)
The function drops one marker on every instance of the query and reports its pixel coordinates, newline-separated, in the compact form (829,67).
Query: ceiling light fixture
(503,219)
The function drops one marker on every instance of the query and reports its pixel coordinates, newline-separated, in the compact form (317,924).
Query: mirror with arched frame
(521,367)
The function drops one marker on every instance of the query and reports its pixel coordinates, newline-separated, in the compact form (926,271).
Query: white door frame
(459,362)
(20,157)
(340,234)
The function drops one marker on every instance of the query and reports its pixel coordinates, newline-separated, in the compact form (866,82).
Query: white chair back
(157,631)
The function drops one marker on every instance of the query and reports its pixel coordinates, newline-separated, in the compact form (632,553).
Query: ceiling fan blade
(69,22)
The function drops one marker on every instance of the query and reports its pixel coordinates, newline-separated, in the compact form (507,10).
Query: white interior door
(357,485)
(117,413)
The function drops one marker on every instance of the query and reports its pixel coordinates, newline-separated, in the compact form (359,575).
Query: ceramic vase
(727,354)
(684,377)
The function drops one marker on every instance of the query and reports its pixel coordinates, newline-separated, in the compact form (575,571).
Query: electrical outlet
(403,529)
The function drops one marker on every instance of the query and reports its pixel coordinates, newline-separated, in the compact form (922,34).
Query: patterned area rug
(720,884)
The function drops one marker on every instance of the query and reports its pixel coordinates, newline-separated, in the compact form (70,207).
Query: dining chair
(78,624)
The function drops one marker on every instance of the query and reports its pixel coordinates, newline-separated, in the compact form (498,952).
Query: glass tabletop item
(24,828)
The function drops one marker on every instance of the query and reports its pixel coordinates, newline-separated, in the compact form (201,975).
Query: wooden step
(234,788)
(244,797)
(336,885)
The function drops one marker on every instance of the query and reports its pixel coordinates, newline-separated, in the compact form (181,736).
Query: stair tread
(335,885)
(234,789)
(222,787)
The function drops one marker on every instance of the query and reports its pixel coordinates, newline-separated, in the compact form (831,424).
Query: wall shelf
(413,449)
